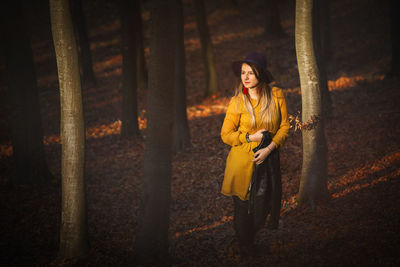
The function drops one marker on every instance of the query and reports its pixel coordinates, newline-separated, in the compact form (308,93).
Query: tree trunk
(320,38)
(395,38)
(130,126)
(273,26)
(313,183)
(85,56)
(151,245)
(141,69)
(325,28)
(26,129)
(73,234)
(181,128)
(207,49)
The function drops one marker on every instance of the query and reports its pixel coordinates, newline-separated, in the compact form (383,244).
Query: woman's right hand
(257,137)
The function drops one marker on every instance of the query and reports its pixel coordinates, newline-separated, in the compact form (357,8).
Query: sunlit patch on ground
(201,111)
(223,220)
(356,179)
(344,83)
(110,63)
(104,44)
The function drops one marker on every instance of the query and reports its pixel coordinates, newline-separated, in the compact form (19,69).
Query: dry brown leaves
(295,121)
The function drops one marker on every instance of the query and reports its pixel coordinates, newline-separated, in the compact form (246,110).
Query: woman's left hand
(261,155)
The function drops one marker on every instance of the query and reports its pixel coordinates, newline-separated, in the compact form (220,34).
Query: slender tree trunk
(313,183)
(181,128)
(273,26)
(395,38)
(130,126)
(151,244)
(73,234)
(207,49)
(27,137)
(140,59)
(85,56)
(325,28)
(320,56)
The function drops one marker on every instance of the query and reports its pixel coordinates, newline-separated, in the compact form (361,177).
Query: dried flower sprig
(295,121)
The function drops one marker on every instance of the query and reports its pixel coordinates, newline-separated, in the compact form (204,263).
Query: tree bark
(395,38)
(151,244)
(181,127)
(130,126)
(73,234)
(141,69)
(273,26)
(325,30)
(207,49)
(85,56)
(313,184)
(320,38)
(26,127)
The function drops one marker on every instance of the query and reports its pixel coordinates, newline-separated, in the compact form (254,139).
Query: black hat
(256,59)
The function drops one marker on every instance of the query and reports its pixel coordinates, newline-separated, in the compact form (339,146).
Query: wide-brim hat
(256,59)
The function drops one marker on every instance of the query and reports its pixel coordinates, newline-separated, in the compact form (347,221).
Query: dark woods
(110,148)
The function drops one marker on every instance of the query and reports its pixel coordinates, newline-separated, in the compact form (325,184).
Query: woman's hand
(257,136)
(261,155)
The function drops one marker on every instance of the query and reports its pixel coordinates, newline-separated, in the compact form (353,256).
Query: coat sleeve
(283,130)
(229,133)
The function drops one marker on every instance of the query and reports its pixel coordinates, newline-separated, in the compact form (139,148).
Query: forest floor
(358,226)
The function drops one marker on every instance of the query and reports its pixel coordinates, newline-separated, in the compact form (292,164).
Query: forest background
(358,226)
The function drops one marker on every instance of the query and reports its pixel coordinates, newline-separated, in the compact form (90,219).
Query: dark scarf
(266,187)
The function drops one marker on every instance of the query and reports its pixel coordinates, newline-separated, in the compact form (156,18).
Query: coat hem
(237,195)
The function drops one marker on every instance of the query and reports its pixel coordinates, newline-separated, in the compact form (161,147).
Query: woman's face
(248,77)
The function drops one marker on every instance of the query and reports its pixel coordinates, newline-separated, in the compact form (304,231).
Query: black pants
(243,222)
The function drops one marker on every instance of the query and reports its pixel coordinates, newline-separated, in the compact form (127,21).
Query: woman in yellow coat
(256,107)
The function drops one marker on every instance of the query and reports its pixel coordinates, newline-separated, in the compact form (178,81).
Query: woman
(256,107)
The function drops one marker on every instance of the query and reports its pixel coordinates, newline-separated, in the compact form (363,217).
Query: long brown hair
(265,98)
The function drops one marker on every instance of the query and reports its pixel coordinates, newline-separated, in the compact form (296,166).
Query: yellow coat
(237,123)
